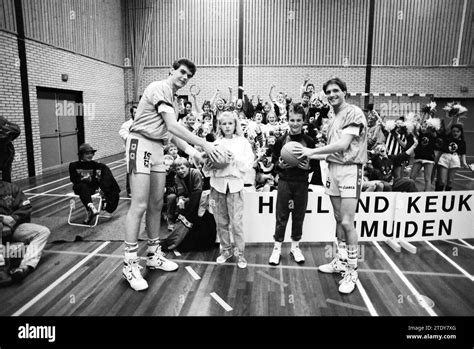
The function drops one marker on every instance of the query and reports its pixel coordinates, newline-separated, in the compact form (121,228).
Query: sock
(342,250)
(131,249)
(152,245)
(91,206)
(295,244)
(277,245)
(353,255)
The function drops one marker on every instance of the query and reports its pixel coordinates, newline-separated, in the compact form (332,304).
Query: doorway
(61,119)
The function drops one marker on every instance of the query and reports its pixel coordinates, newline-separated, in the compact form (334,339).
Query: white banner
(407,216)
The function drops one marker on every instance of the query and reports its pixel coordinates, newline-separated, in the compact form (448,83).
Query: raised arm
(214,97)
(230,95)
(197,107)
(303,87)
(270,94)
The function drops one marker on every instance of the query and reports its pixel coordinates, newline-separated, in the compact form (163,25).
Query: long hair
(233,116)
(460,128)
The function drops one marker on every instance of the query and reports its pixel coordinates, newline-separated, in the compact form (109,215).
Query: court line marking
(65,185)
(184,261)
(222,303)
(469,247)
(58,281)
(193,273)
(465,243)
(366,299)
(63,199)
(35,195)
(427,273)
(351,306)
(271,278)
(282,290)
(404,279)
(460,175)
(62,179)
(450,261)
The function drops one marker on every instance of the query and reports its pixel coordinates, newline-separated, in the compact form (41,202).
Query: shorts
(144,155)
(449,160)
(344,180)
(423,161)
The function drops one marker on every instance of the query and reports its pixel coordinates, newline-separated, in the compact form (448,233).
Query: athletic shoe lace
(348,276)
(135,267)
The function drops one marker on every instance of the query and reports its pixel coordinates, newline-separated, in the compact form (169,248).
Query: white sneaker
(348,282)
(275,257)
(157,260)
(131,272)
(297,255)
(242,262)
(335,266)
(224,256)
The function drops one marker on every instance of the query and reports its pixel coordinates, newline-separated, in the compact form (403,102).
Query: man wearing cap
(15,226)
(87,176)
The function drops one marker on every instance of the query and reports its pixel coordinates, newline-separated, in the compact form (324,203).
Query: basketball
(287,153)
(222,161)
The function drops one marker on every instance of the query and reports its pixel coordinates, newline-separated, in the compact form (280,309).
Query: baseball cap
(86,147)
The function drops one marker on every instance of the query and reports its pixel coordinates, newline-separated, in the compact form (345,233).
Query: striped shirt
(393,147)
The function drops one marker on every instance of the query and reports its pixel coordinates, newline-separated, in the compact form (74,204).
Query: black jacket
(8,133)
(294,174)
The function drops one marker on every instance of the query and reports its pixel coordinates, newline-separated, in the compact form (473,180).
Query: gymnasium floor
(83,277)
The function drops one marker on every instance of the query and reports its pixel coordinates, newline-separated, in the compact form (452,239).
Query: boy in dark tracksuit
(87,176)
(292,187)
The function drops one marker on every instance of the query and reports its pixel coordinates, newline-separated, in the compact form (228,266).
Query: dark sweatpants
(85,191)
(292,197)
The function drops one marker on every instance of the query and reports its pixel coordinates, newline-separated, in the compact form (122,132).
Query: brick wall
(102,85)
(441,81)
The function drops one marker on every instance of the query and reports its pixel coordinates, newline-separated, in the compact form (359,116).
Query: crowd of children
(398,150)
(250,134)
